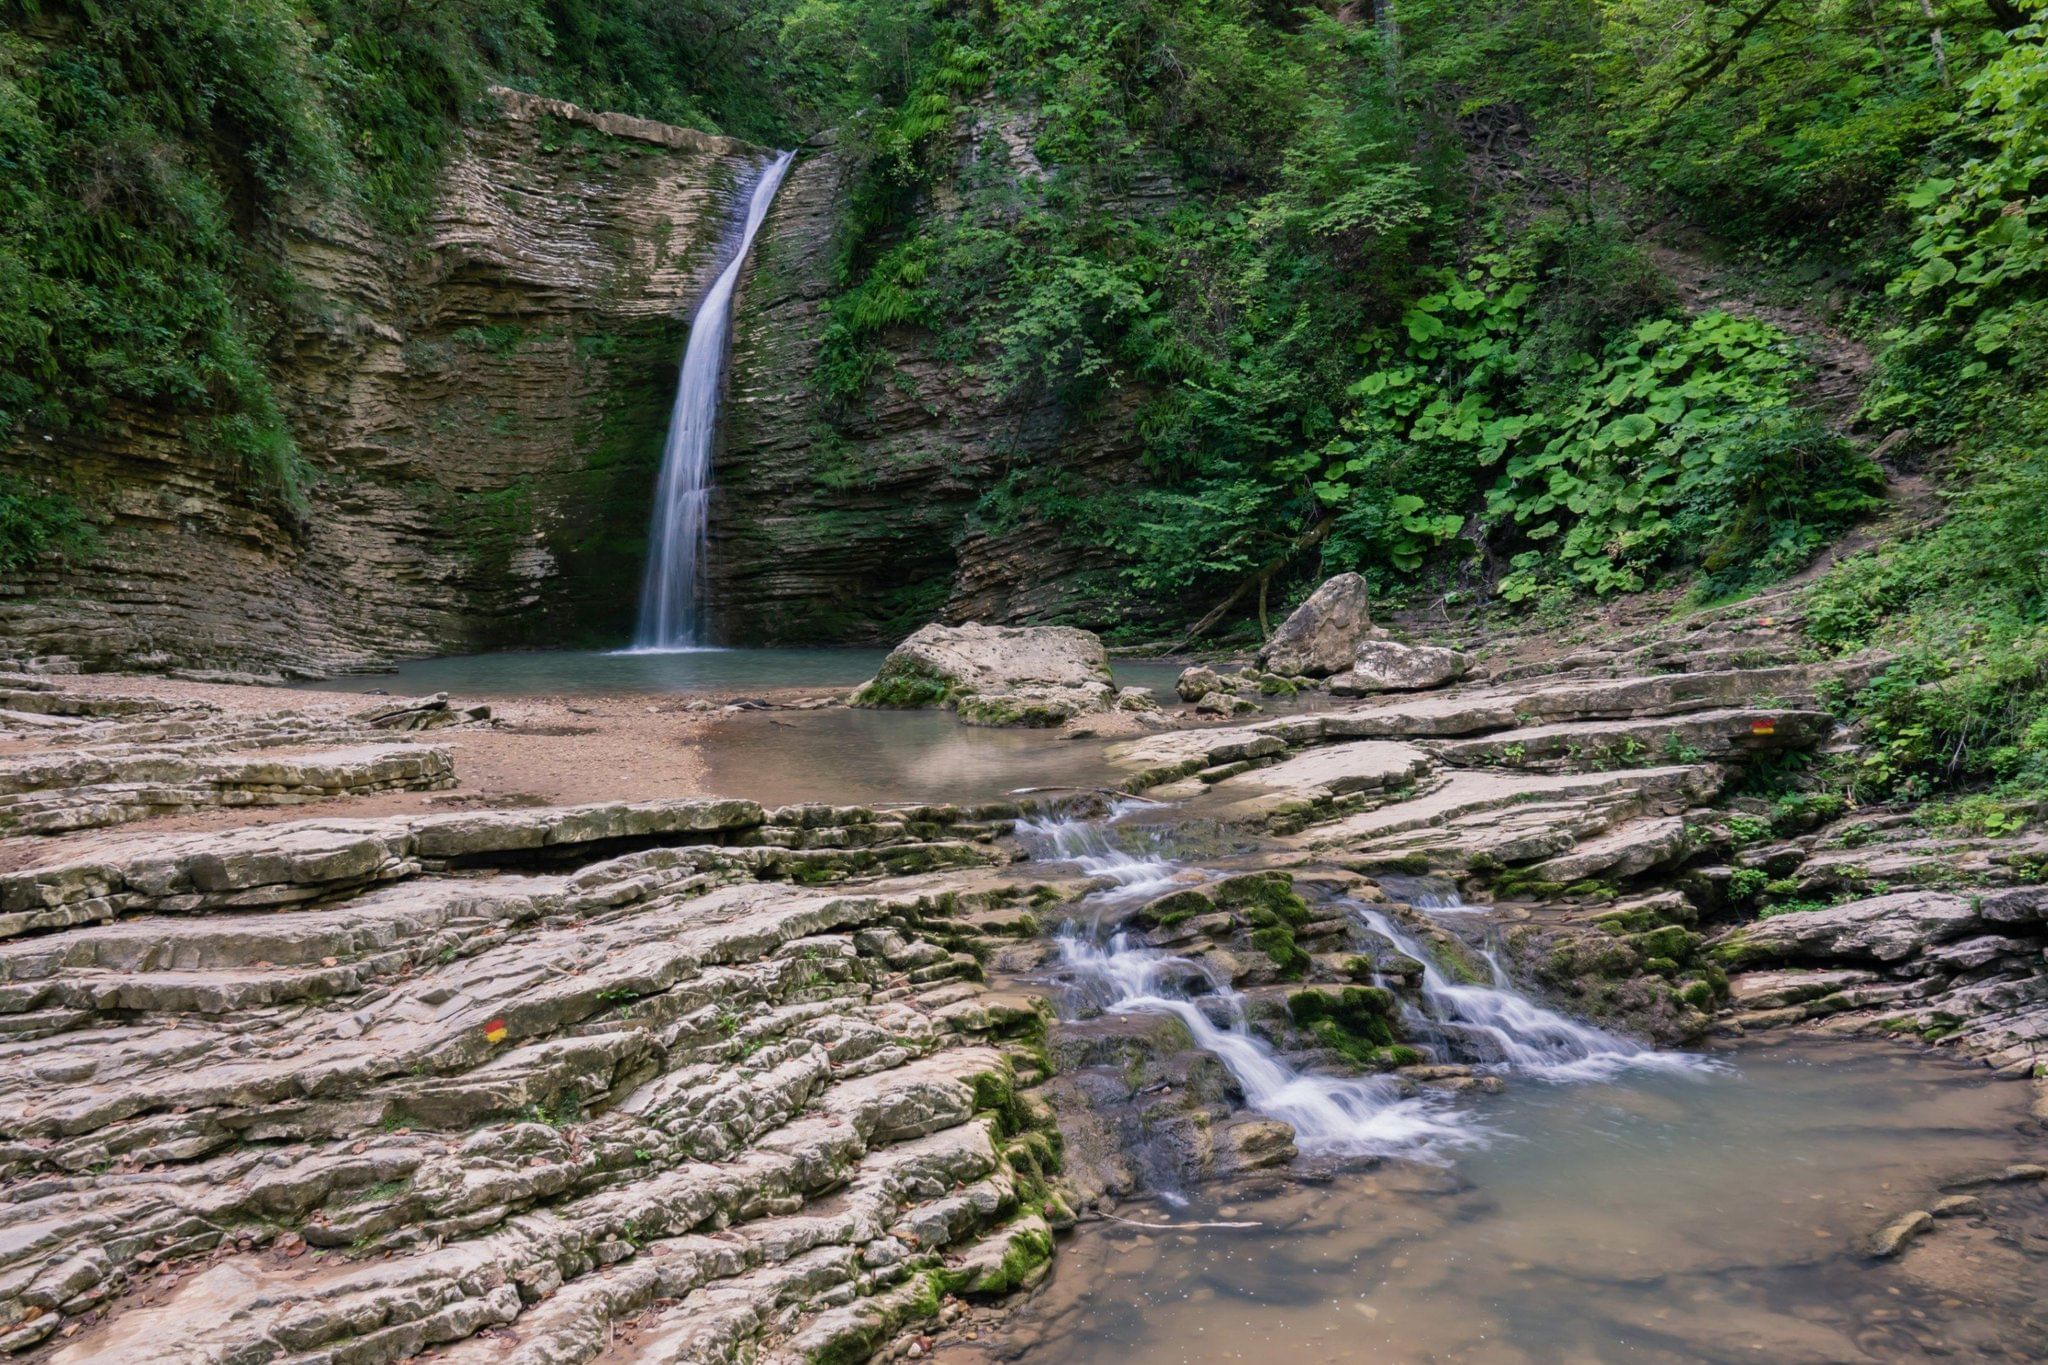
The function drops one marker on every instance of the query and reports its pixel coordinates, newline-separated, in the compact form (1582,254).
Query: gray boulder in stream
(1324,632)
(996,675)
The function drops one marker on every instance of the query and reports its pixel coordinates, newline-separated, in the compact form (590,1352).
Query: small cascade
(1331,1115)
(671,605)
(1506,1027)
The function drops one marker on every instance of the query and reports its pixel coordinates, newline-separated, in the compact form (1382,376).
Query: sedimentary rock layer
(481,410)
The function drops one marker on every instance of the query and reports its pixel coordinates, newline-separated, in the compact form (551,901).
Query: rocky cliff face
(482,409)
(861,522)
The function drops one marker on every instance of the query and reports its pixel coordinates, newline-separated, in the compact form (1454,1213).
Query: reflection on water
(585,672)
(1655,1217)
(871,757)
(568,672)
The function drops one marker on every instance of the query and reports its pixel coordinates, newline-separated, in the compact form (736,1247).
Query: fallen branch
(1313,536)
(1172,1227)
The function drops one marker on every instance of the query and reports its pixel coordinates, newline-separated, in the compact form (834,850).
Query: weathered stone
(1323,634)
(996,675)
(1894,1236)
(1882,929)
(1389,666)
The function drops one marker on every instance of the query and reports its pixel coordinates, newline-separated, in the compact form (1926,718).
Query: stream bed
(1609,1202)
(1660,1215)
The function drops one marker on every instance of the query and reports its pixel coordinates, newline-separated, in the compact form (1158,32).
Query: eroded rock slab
(438,1103)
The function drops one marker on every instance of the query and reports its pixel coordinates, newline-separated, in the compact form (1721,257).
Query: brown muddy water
(1661,1216)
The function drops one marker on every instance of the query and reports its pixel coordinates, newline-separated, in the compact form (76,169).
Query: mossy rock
(1356,1021)
(1022,1265)
(1670,941)
(1175,908)
(904,686)
(1276,941)
(1266,897)
(998,710)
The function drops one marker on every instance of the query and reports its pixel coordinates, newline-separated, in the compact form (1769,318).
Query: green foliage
(1979,257)
(1321,356)
(36,524)
(1964,606)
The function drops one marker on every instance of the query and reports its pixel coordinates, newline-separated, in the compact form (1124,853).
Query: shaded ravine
(671,606)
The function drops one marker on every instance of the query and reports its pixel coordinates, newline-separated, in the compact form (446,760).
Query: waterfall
(1510,1029)
(1333,1115)
(1330,1115)
(671,616)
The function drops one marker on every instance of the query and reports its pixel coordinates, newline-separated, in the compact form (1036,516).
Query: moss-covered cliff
(480,405)
(858,513)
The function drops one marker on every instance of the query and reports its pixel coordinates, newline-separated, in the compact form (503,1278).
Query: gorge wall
(481,408)
(859,521)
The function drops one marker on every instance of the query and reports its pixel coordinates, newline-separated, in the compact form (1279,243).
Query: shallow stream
(1658,1216)
(1610,1203)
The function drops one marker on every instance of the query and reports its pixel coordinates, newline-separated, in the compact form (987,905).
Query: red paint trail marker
(494,1032)
(1763,727)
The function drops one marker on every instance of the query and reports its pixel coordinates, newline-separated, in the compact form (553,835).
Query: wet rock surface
(705,1079)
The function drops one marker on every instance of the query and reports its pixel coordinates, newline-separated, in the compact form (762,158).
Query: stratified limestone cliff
(862,521)
(482,408)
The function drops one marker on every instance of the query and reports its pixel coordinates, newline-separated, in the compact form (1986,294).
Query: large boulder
(1324,632)
(1389,666)
(996,675)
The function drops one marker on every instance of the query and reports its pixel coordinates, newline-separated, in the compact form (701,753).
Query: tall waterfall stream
(671,594)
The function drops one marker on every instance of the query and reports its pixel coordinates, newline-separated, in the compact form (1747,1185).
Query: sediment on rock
(411,1104)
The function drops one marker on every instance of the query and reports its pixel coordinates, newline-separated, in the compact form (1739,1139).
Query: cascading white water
(1522,1035)
(1339,1115)
(671,606)
(1333,1115)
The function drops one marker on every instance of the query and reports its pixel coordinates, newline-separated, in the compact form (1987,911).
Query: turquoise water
(536,673)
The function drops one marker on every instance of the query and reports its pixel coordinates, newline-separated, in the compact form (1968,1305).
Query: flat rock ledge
(89,762)
(505,1084)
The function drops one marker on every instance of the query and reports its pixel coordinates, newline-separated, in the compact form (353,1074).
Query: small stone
(1893,1237)
(1958,1205)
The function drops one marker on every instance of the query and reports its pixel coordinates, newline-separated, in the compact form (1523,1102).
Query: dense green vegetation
(1380,281)
(1394,313)
(1399,312)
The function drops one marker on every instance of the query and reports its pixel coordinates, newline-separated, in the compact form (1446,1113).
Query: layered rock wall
(862,520)
(481,408)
